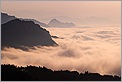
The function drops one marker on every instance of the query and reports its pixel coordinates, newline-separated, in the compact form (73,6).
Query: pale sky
(75,9)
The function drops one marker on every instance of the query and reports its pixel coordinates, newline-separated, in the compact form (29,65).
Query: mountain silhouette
(18,33)
(57,23)
(33,73)
(36,22)
(5,18)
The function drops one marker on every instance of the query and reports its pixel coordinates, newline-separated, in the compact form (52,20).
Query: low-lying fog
(93,49)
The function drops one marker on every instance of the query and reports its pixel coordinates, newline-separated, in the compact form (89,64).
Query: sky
(81,11)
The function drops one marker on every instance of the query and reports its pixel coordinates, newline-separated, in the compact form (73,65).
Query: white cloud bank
(83,49)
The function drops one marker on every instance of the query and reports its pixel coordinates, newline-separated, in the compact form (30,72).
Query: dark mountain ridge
(32,73)
(5,18)
(53,23)
(17,33)
(36,22)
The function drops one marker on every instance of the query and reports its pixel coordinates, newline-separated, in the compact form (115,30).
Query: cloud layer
(83,49)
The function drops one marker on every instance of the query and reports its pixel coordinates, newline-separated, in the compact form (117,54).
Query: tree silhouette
(33,73)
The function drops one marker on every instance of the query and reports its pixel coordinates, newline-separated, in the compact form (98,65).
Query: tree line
(33,73)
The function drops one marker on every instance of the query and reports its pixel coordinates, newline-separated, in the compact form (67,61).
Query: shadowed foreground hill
(32,73)
(17,33)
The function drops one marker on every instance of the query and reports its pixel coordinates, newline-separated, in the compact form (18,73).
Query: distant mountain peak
(55,20)
(56,23)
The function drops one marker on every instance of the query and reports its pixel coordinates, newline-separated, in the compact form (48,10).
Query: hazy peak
(57,23)
(55,20)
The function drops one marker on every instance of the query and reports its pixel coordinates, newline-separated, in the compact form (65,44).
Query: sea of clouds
(92,48)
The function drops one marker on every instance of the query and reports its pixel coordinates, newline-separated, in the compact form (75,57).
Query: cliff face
(17,33)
